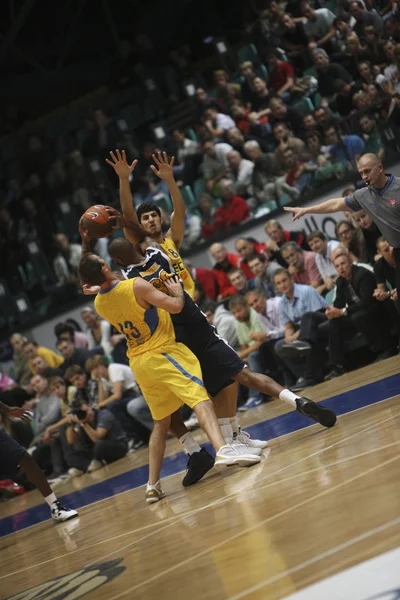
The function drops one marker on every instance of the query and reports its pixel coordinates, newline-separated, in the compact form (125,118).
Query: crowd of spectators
(322,89)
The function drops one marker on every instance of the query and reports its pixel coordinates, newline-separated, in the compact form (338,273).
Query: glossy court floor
(320,503)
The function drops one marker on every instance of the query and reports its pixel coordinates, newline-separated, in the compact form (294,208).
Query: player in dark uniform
(14,456)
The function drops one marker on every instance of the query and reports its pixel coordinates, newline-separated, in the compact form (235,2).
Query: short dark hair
(95,361)
(260,257)
(90,270)
(292,245)
(27,342)
(312,133)
(209,306)
(315,234)
(235,270)
(59,342)
(147,207)
(61,328)
(281,271)
(237,301)
(73,370)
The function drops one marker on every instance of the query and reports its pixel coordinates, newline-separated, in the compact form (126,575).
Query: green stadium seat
(188,196)
(304,106)
(262,71)
(199,187)
(248,52)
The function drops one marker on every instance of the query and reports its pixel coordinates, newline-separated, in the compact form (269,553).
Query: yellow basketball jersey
(169,247)
(144,329)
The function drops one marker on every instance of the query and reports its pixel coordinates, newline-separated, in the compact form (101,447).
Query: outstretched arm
(147,295)
(163,170)
(132,230)
(329,206)
(85,237)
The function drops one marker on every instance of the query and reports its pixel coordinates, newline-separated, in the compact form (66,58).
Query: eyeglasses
(344,232)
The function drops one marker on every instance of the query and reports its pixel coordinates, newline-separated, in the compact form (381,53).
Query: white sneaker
(243,441)
(95,465)
(154,493)
(192,422)
(60,514)
(73,472)
(236,454)
(243,437)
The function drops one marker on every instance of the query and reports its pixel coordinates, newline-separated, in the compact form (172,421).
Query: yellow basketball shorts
(169,377)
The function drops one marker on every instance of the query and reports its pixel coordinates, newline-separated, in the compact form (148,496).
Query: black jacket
(364,284)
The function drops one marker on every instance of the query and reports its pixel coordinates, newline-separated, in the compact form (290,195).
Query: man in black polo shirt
(385,270)
(328,73)
(380,199)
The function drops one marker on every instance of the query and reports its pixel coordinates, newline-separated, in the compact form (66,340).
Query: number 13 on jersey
(128,329)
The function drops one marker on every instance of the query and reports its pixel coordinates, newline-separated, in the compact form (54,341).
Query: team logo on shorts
(392,201)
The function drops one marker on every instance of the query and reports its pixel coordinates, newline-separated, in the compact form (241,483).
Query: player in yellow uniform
(167,372)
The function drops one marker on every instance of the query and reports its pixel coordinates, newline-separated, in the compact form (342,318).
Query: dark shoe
(315,411)
(385,354)
(297,348)
(301,383)
(336,372)
(198,465)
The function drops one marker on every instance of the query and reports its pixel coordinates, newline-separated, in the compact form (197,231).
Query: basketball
(97,221)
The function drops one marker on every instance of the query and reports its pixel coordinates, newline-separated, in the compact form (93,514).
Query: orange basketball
(97,221)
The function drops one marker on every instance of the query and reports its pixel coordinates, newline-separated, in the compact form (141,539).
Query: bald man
(380,200)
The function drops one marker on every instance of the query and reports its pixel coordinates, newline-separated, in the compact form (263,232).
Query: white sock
(235,424)
(51,498)
(289,397)
(150,486)
(226,429)
(189,444)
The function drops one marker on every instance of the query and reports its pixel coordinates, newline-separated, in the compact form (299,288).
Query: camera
(81,414)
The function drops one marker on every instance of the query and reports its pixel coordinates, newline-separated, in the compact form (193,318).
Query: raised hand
(296,211)
(120,165)
(84,233)
(90,290)
(163,168)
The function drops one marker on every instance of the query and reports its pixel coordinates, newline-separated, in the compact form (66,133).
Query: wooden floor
(320,502)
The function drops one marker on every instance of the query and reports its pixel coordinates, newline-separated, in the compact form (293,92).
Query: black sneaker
(60,514)
(315,411)
(198,465)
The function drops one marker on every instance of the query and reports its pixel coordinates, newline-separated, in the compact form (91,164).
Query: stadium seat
(304,106)
(248,52)
(191,134)
(188,196)
(68,218)
(40,265)
(262,71)
(199,187)
(8,315)
(133,116)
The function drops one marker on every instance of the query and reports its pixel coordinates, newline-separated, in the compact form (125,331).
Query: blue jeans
(138,409)
(256,364)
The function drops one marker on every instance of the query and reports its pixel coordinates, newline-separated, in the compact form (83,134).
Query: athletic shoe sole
(315,411)
(239,461)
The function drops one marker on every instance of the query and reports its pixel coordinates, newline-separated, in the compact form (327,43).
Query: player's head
(370,168)
(93,270)
(239,308)
(283,282)
(149,216)
(123,252)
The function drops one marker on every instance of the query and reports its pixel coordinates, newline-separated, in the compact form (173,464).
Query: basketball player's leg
(156,456)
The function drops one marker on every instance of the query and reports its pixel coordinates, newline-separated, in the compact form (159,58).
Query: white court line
(243,532)
(317,558)
(214,503)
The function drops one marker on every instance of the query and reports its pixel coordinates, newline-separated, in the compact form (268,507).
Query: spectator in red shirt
(279,236)
(281,75)
(247,249)
(224,262)
(207,279)
(234,210)
(302,265)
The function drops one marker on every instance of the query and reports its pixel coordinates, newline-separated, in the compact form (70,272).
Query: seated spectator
(98,331)
(372,137)
(348,235)
(281,75)
(264,173)
(309,122)
(344,148)
(106,135)
(328,73)
(324,118)
(242,173)
(217,123)
(66,260)
(323,250)
(223,321)
(82,388)
(355,309)
(206,277)
(234,210)
(32,349)
(364,17)
(35,226)
(370,233)
(247,92)
(247,248)
(302,265)
(318,155)
(319,26)
(117,389)
(226,93)
(203,102)
(215,163)
(343,101)
(263,271)
(72,355)
(299,174)
(192,230)
(301,312)
(247,323)
(287,114)
(65,331)
(47,408)
(224,262)
(102,438)
(41,367)
(295,42)
(285,140)
(206,207)
(261,98)
(278,237)
(239,281)
(385,271)
(22,371)
(185,146)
